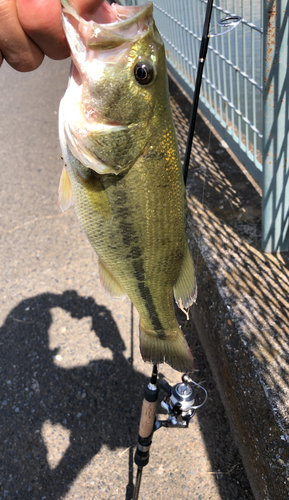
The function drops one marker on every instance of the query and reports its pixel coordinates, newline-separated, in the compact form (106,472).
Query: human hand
(31,29)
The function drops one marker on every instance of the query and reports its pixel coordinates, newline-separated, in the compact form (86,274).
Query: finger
(16,47)
(41,20)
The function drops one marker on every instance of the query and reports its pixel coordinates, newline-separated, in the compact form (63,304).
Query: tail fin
(170,348)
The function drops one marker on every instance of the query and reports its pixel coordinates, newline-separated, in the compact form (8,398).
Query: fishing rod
(146,428)
(202,58)
(231,22)
(181,398)
(179,401)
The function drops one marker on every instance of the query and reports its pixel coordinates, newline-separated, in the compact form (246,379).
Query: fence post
(275,217)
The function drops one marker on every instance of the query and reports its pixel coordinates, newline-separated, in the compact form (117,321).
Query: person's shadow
(98,403)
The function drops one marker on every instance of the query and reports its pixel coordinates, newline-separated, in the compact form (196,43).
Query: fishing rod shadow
(130,485)
(44,400)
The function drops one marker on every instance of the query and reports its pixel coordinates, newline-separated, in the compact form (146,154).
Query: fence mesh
(231,88)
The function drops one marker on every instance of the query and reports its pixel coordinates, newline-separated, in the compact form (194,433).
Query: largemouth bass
(123,173)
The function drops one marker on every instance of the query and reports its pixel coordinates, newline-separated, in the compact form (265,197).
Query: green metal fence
(238,64)
(275,223)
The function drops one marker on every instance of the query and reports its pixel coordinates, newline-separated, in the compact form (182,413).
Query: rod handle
(146,425)
(147,418)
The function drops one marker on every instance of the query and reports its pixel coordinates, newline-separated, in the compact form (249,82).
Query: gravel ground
(71,374)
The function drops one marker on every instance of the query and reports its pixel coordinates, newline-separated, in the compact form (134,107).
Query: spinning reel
(179,402)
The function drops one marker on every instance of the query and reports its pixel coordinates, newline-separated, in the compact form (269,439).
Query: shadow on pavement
(98,404)
(92,401)
(227,468)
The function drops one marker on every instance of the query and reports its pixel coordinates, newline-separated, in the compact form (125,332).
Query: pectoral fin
(111,286)
(185,289)
(65,198)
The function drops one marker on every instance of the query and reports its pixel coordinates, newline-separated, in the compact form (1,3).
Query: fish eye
(143,72)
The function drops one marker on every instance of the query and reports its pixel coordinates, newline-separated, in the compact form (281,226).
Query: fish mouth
(110,25)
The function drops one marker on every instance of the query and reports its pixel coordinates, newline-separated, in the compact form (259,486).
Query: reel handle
(163,384)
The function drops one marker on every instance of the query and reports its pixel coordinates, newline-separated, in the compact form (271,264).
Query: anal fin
(110,285)
(185,289)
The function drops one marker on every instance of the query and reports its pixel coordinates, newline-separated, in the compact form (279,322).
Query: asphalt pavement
(72,377)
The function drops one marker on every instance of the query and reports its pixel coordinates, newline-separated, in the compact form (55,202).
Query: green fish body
(123,172)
